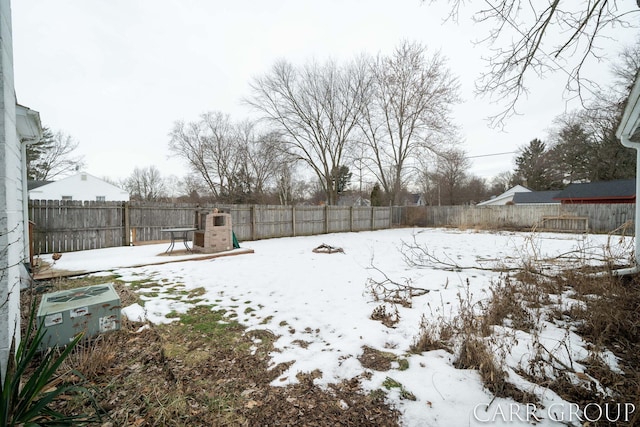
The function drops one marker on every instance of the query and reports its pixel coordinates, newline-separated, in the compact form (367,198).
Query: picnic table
(178,233)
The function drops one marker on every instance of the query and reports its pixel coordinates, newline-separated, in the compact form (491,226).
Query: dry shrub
(506,306)
(95,356)
(610,315)
(388,317)
(472,321)
(606,315)
(609,318)
(474,354)
(432,336)
(415,216)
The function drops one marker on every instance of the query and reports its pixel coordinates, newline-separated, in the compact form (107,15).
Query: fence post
(372,218)
(253,222)
(127,224)
(326,219)
(351,218)
(293,220)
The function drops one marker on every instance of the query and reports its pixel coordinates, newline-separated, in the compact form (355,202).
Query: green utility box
(91,309)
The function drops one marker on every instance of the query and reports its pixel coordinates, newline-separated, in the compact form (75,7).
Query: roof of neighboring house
(81,186)
(536,197)
(414,198)
(31,184)
(505,197)
(352,200)
(621,189)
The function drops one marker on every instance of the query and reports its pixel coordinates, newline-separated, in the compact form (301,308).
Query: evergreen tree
(341,178)
(52,156)
(533,167)
(34,154)
(376,195)
(571,156)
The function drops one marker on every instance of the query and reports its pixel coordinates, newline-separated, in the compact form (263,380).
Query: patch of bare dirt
(376,359)
(218,386)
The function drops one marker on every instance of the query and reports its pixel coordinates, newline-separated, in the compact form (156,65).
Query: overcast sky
(116,74)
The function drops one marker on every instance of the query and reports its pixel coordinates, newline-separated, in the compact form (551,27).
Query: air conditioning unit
(90,309)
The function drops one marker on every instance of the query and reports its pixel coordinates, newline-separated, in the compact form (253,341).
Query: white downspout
(628,130)
(635,269)
(25,197)
(29,131)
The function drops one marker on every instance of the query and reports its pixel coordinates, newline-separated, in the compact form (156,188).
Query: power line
(490,155)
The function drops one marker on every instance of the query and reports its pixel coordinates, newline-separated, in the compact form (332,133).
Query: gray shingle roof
(535,197)
(622,188)
(31,184)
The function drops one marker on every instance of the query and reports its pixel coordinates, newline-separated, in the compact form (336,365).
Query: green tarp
(236,245)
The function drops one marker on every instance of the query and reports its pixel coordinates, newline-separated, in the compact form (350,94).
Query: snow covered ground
(319,307)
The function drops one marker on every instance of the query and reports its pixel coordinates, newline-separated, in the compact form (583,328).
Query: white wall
(81,186)
(12,253)
(505,197)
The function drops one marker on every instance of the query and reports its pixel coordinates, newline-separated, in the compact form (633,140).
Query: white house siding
(12,252)
(505,197)
(78,188)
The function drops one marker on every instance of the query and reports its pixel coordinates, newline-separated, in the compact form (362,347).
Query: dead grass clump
(474,354)
(376,359)
(617,382)
(94,357)
(389,317)
(506,306)
(432,336)
(603,309)
(610,315)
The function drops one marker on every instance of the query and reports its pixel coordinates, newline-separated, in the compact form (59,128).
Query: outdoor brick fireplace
(214,232)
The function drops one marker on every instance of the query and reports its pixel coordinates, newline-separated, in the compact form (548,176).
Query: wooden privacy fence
(595,218)
(65,226)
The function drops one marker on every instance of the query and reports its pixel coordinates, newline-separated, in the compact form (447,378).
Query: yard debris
(326,249)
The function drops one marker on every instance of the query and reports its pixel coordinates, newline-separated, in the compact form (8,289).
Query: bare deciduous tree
(501,183)
(451,173)
(146,184)
(261,157)
(411,96)
(193,188)
(207,146)
(534,38)
(625,68)
(315,108)
(234,160)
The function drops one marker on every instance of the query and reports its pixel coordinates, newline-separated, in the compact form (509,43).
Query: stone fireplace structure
(214,233)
